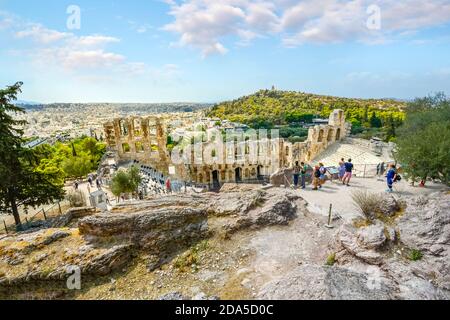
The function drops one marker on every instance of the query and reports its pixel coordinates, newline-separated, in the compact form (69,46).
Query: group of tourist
(90,181)
(345,172)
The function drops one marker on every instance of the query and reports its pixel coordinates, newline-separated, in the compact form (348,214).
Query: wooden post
(43,212)
(329,226)
(6,229)
(59,206)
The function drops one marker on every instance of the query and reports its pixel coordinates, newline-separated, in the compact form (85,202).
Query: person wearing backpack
(303,170)
(391,177)
(316,178)
(322,171)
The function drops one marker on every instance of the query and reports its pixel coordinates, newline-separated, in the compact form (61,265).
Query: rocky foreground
(242,243)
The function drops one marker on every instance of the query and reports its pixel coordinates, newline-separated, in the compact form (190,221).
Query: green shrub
(415,255)
(331,259)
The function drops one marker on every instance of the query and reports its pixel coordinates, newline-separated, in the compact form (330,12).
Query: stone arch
(238,174)
(137,127)
(330,135)
(259,171)
(139,147)
(320,139)
(246,173)
(338,134)
(253,172)
(123,125)
(126,148)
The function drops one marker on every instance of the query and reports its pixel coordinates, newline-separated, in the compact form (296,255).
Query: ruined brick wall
(145,139)
(139,138)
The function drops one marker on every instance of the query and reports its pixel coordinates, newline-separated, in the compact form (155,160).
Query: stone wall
(139,138)
(145,139)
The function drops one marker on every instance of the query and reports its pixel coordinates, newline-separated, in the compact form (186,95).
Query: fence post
(59,206)
(43,212)
(329,226)
(6,228)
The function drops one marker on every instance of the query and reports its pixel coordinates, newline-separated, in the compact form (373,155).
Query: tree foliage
(126,181)
(22,182)
(269,108)
(423,141)
(72,160)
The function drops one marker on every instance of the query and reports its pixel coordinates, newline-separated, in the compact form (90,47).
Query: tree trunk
(15,211)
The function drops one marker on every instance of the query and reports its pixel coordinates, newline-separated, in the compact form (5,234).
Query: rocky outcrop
(282,177)
(389,206)
(363,243)
(247,206)
(412,252)
(155,231)
(50,255)
(269,210)
(312,282)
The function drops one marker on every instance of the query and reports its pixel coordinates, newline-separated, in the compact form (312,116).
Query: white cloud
(93,40)
(207,24)
(42,35)
(84,57)
(6,20)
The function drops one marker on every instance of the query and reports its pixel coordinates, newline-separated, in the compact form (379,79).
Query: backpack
(317,173)
(398,178)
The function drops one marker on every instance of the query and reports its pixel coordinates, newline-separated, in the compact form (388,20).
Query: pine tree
(20,183)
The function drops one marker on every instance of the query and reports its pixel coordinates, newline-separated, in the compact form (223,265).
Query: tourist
(380,169)
(391,177)
(90,180)
(341,169)
(296,170)
(304,168)
(316,177)
(168,186)
(348,172)
(75,185)
(322,177)
(98,183)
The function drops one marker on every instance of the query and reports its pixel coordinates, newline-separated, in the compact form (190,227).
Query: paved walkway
(340,196)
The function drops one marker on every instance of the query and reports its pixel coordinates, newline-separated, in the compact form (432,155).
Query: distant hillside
(268,108)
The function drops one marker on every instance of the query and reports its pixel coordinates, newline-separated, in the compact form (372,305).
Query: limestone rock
(348,238)
(112,259)
(312,282)
(281,177)
(389,206)
(372,237)
(155,231)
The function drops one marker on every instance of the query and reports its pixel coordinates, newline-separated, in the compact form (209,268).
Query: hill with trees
(289,109)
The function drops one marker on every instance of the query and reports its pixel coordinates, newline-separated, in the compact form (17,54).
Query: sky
(210,50)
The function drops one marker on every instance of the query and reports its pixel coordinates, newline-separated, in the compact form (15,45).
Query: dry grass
(368,203)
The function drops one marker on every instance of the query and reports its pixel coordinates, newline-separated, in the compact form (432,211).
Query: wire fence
(29,220)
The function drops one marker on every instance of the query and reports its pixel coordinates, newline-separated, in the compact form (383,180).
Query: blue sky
(208,51)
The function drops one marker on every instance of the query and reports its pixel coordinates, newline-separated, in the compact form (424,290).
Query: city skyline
(205,51)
